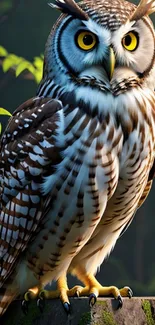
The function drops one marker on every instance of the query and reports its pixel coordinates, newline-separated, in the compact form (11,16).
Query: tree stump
(135,311)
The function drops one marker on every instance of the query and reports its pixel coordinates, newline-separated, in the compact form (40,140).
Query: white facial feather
(104,37)
(98,30)
(116,39)
(140,59)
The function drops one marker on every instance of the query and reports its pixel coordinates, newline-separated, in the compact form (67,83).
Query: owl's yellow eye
(130,41)
(86,40)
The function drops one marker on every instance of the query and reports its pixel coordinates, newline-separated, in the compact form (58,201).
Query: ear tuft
(70,7)
(145,8)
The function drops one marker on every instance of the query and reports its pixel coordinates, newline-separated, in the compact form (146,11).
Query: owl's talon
(24,306)
(119,302)
(25,302)
(126,292)
(41,304)
(41,301)
(130,293)
(67,307)
(92,299)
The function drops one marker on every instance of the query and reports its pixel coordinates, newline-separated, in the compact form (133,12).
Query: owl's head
(101,40)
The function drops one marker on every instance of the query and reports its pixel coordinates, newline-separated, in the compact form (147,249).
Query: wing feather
(27,153)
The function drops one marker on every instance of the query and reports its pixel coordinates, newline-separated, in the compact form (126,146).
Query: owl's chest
(90,159)
(99,151)
(96,166)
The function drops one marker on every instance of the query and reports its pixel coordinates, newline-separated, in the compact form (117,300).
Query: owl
(77,160)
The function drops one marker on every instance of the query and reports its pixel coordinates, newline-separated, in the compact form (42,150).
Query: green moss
(102,303)
(108,318)
(85,319)
(148,313)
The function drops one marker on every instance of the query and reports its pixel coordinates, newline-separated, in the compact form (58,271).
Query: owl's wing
(27,154)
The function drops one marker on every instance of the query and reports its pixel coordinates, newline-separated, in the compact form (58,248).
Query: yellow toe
(75,291)
(31,293)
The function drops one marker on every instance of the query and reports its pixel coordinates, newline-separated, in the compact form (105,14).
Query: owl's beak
(110,63)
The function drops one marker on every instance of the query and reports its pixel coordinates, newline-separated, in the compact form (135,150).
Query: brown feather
(43,115)
(144,8)
(70,7)
(145,193)
(152,172)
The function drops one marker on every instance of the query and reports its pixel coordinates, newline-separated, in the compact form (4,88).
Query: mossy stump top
(135,311)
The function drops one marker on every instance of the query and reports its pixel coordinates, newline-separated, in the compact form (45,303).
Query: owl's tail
(7,295)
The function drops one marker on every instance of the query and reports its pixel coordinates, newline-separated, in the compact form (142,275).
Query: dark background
(24,27)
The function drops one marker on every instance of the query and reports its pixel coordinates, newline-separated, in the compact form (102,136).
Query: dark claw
(41,304)
(130,293)
(92,299)
(25,306)
(67,307)
(119,302)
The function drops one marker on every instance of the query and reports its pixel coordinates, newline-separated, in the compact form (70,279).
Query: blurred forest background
(24,27)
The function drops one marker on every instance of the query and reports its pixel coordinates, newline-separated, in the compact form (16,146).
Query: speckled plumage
(76,161)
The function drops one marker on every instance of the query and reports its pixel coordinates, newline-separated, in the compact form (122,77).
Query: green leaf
(4,112)
(38,76)
(38,62)
(3,51)
(31,68)
(19,64)
(24,65)
(10,62)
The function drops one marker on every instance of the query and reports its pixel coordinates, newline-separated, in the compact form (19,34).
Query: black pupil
(88,39)
(128,40)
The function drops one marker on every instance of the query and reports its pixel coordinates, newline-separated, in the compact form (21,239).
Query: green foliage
(3,51)
(3,112)
(85,319)
(148,313)
(108,318)
(11,61)
(20,65)
(5,5)
(38,64)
